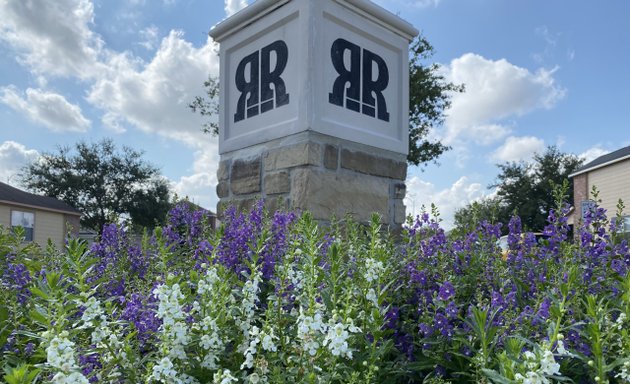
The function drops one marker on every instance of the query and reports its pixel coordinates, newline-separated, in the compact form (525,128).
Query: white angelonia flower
(254,340)
(371,296)
(530,358)
(210,279)
(92,311)
(60,355)
(164,371)
(619,323)
(247,310)
(224,377)
(540,366)
(309,330)
(373,269)
(337,338)
(561,349)
(174,334)
(73,378)
(296,278)
(531,378)
(548,364)
(624,374)
(268,342)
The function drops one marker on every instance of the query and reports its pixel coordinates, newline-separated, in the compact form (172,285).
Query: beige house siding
(48,225)
(5,216)
(613,183)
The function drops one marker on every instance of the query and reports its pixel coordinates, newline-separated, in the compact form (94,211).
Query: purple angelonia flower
(447,291)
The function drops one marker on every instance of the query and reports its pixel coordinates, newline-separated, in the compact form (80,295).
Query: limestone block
(223,173)
(326,193)
(373,165)
(277,182)
(399,212)
(308,153)
(331,156)
(223,189)
(241,205)
(245,176)
(399,190)
(278,203)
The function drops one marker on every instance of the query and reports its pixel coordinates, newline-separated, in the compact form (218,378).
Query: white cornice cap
(261,8)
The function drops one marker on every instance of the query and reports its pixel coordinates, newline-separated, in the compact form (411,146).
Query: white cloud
(49,109)
(200,186)
(518,149)
(593,153)
(52,37)
(423,193)
(233,6)
(495,90)
(154,97)
(14,156)
(149,37)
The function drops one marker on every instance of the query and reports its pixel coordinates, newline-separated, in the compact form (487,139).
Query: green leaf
(39,317)
(38,292)
(496,377)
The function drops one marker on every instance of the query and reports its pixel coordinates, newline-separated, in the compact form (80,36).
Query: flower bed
(277,299)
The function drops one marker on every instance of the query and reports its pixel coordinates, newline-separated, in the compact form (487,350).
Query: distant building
(610,174)
(41,217)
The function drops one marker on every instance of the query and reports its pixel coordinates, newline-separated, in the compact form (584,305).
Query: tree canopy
(104,183)
(525,189)
(429,98)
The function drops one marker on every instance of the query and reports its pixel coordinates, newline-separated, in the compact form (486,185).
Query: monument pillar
(314,108)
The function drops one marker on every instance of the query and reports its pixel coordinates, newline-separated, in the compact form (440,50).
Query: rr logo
(362,88)
(257,92)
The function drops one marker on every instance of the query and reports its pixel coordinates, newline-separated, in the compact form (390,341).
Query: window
(25,220)
(623,227)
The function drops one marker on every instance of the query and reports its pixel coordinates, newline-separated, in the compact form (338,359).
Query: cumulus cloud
(593,153)
(423,193)
(154,97)
(46,108)
(149,37)
(200,186)
(14,156)
(233,6)
(518,149)
(495,90)
(55,39)
(52,37)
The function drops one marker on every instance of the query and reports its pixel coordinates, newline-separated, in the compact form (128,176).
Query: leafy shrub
(279,299)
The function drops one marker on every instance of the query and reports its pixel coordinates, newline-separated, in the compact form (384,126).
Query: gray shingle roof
(10,194)
(611,157)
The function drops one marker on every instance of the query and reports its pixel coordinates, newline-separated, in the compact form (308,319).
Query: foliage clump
(275,298)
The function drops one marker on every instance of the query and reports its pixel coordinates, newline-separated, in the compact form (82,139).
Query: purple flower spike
(447,290)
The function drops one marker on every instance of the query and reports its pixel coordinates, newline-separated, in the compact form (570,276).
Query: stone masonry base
(310,171)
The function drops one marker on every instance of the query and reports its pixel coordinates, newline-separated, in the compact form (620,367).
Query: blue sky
(537,73)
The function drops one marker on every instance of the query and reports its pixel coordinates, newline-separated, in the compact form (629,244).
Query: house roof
(603,161)
(14,196)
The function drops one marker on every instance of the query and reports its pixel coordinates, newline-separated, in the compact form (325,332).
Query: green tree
(429,98)
(102,182)
(525,189)
(467,218)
